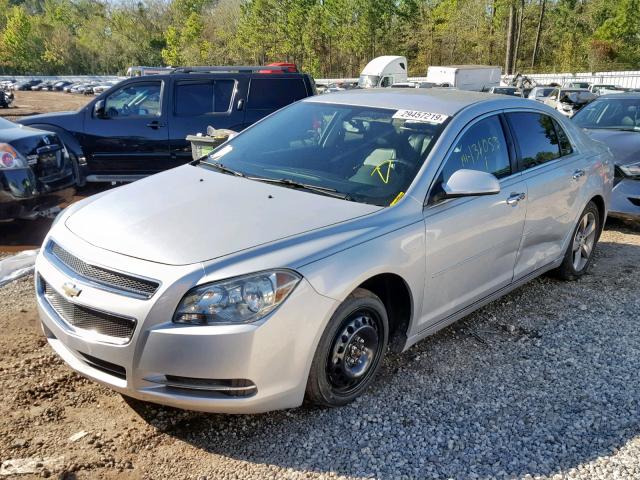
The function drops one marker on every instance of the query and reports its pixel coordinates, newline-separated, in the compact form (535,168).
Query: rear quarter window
(274,93)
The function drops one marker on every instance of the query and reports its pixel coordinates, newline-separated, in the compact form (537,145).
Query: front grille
(113,280)
(86,320)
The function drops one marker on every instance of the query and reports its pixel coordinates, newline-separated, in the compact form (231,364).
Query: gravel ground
(540,384)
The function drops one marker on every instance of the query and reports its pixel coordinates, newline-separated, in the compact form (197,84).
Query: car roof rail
(232,68)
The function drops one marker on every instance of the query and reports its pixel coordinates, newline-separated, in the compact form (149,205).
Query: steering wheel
(126,111)
(112,112)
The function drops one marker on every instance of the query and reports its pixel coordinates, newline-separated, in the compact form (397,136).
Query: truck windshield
(368,81)
(362,154)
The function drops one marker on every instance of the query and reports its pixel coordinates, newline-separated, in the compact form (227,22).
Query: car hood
(190,214)
(19,135)
(625,146)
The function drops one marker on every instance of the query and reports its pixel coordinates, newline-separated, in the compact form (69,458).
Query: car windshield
(505,91)
(613,113)
(544,92)
(368,81)
(359,153)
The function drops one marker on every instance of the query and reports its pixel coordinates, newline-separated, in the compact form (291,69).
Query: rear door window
(203,98)
(536,136)
(274,93)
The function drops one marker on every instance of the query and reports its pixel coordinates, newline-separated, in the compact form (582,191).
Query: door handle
(240,105)
(577,174)
(514,198)
(155,124)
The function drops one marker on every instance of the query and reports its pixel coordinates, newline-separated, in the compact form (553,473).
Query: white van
(383,72)
(465,77)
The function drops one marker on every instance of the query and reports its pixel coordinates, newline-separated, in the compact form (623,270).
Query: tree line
(328,38)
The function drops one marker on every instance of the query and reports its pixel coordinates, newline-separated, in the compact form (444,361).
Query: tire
(584,239)
(350,351)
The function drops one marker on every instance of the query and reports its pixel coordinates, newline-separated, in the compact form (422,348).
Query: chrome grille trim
(88,322)
(100,277)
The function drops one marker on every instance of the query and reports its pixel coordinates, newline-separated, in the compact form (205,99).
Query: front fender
(401,252)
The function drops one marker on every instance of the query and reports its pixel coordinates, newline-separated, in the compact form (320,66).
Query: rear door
(270,93)
(200,103)
(132,137)
(554,173)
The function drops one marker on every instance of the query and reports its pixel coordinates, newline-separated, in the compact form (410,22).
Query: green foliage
(328,38)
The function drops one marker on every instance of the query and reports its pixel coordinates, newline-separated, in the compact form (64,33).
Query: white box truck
(465,77)
(383,72)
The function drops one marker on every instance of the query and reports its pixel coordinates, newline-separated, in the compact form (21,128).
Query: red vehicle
(291,67)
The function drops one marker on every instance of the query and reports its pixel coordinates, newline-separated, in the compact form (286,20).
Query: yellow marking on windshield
(384,178)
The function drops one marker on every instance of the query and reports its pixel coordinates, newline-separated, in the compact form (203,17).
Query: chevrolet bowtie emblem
(70,289)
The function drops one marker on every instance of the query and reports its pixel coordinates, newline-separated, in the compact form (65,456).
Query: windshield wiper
(329,192)
(221,168)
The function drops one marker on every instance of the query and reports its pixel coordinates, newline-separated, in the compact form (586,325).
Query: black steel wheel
(350,351)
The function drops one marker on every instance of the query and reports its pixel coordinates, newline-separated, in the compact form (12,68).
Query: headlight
(238,300)
(10,158)
(632,170)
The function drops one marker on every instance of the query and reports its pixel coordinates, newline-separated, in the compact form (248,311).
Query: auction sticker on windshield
(418,116)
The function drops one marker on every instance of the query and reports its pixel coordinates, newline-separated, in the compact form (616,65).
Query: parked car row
(84,87)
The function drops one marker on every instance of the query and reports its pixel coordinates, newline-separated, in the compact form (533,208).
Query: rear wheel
(579,252)
(350,351)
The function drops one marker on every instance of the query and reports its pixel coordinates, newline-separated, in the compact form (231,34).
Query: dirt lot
(31,103)
(543,382)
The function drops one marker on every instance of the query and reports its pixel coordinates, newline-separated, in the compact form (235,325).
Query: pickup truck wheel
(579,252)
(80,182)
(350,351)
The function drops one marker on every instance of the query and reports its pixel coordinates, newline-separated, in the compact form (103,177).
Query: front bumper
(625,199)
(272,356)
(22,195)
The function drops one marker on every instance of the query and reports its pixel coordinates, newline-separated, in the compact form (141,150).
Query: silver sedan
(285,264)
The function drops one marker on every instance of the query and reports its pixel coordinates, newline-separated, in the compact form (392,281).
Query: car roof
(632,95)
(437,100)
(227,74)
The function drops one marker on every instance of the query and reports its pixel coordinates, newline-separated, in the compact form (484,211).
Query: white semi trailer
(383,72)
(465,77)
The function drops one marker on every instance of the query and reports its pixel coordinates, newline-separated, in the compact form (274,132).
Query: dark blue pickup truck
(139,126)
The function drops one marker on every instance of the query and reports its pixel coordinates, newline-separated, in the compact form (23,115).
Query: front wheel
(579,253)
(350,351)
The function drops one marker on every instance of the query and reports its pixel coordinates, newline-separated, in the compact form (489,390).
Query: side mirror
(470,183)
(98,109)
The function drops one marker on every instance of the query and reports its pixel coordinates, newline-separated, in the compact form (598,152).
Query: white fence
(628,79)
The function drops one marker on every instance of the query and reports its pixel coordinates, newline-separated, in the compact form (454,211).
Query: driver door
(129,136)
(472,242)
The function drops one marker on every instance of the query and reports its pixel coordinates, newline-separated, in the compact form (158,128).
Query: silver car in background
(615,121)
(285,264)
